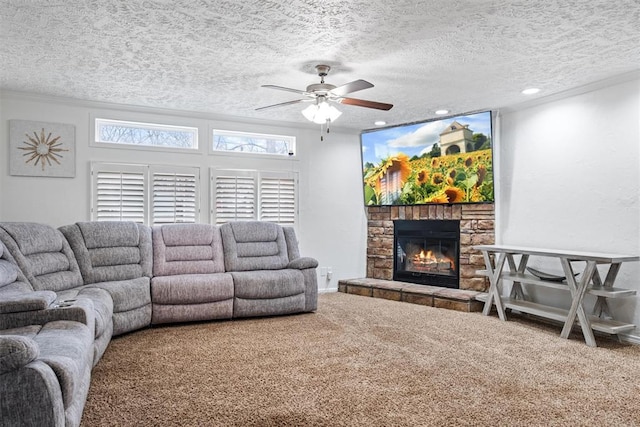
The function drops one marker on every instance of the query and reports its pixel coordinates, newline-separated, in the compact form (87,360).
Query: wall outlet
(329,273)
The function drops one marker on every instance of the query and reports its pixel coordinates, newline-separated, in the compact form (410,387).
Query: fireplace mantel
(477,227)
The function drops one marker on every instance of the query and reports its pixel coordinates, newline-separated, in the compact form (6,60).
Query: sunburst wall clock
(42,149)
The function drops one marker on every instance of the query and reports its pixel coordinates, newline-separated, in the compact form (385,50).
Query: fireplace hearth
(427,252)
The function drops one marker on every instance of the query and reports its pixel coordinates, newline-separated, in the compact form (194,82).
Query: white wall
(332,226)
(569,177)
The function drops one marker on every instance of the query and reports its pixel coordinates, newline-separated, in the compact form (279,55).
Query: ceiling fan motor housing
(320,88)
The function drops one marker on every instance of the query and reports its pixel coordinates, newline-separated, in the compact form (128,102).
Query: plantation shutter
(235,196)
(118,192)
(174,195)
(278,198)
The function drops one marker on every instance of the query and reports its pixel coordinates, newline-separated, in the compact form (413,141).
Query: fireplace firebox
(427,252)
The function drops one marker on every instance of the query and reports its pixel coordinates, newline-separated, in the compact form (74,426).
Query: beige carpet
(362,361)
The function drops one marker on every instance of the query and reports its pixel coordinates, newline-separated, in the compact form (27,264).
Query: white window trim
(241,154)
(147,122)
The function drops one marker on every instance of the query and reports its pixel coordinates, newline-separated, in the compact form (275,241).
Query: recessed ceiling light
(380,123)
(441,112)
(530,91)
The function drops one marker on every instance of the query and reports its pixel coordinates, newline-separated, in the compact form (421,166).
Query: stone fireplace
(476,224)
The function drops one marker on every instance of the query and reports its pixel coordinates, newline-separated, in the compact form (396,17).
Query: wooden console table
(590,282)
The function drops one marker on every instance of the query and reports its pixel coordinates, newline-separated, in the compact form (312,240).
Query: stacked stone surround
(477,227)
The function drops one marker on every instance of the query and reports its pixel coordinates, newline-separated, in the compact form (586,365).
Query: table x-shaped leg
(494,279)
(516,289)
(578,291)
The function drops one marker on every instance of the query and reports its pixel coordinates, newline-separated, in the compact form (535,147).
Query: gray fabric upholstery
(189,282)
(13,302)
(131,303)
(292,242)
(20,305)
(268,307)
(270,256)
(187,249)
(55,382)
(266,284)
(15,352)
(109,251)
(116,257)
(42,254)
(253,245)
(191,288)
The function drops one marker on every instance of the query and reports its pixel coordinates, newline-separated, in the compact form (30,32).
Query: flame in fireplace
(428,261)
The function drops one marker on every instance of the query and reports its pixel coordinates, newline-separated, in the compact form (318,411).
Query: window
(235,195)
(277,199)
(245,195)
(174,196)
(144,194)
(145,134)
(119,193)
(244,142)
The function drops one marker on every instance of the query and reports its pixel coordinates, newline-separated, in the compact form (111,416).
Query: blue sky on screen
(418,138)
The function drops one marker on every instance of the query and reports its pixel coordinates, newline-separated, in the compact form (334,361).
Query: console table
(590,282)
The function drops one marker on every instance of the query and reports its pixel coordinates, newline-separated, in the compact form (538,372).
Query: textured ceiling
(212,56)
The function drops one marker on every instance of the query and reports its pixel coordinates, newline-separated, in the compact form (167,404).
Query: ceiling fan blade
(281,104)
(351,87)
(367,104)
(301,92)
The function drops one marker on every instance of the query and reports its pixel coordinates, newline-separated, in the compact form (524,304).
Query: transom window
(145,134)
(256,143)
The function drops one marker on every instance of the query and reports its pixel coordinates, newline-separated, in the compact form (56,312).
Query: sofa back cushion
(187,249)
(42,254)
(111,250)
(253,245)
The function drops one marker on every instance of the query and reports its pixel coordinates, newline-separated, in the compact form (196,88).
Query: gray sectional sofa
(65,292)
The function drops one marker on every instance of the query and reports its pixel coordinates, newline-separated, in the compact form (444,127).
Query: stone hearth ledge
(433,296)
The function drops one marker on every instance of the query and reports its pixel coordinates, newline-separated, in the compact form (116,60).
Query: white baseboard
(628,338)
(327,290)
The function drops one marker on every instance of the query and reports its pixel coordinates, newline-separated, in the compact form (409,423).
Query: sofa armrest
(15,352)
(80,310)
(303,263)
(25,301)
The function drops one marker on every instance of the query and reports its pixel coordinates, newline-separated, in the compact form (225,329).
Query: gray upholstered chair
(48,274)
(189,282)
(116,257)
(268,273)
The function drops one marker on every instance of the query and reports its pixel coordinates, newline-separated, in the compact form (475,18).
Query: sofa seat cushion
(191,288)
(266,284)
(102,305)
(127,295)
(67,347)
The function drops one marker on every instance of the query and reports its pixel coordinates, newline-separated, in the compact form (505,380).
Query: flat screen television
(440,161)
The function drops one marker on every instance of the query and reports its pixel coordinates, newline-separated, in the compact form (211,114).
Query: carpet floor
(363,361)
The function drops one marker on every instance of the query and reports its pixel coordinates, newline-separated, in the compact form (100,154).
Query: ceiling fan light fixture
(321,113)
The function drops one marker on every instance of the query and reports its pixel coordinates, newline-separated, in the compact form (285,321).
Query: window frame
(292,144)
(150,123)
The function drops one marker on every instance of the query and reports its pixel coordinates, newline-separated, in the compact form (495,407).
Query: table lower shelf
(607,326)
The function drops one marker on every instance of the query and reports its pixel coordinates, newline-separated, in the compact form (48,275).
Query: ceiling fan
(322,93)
